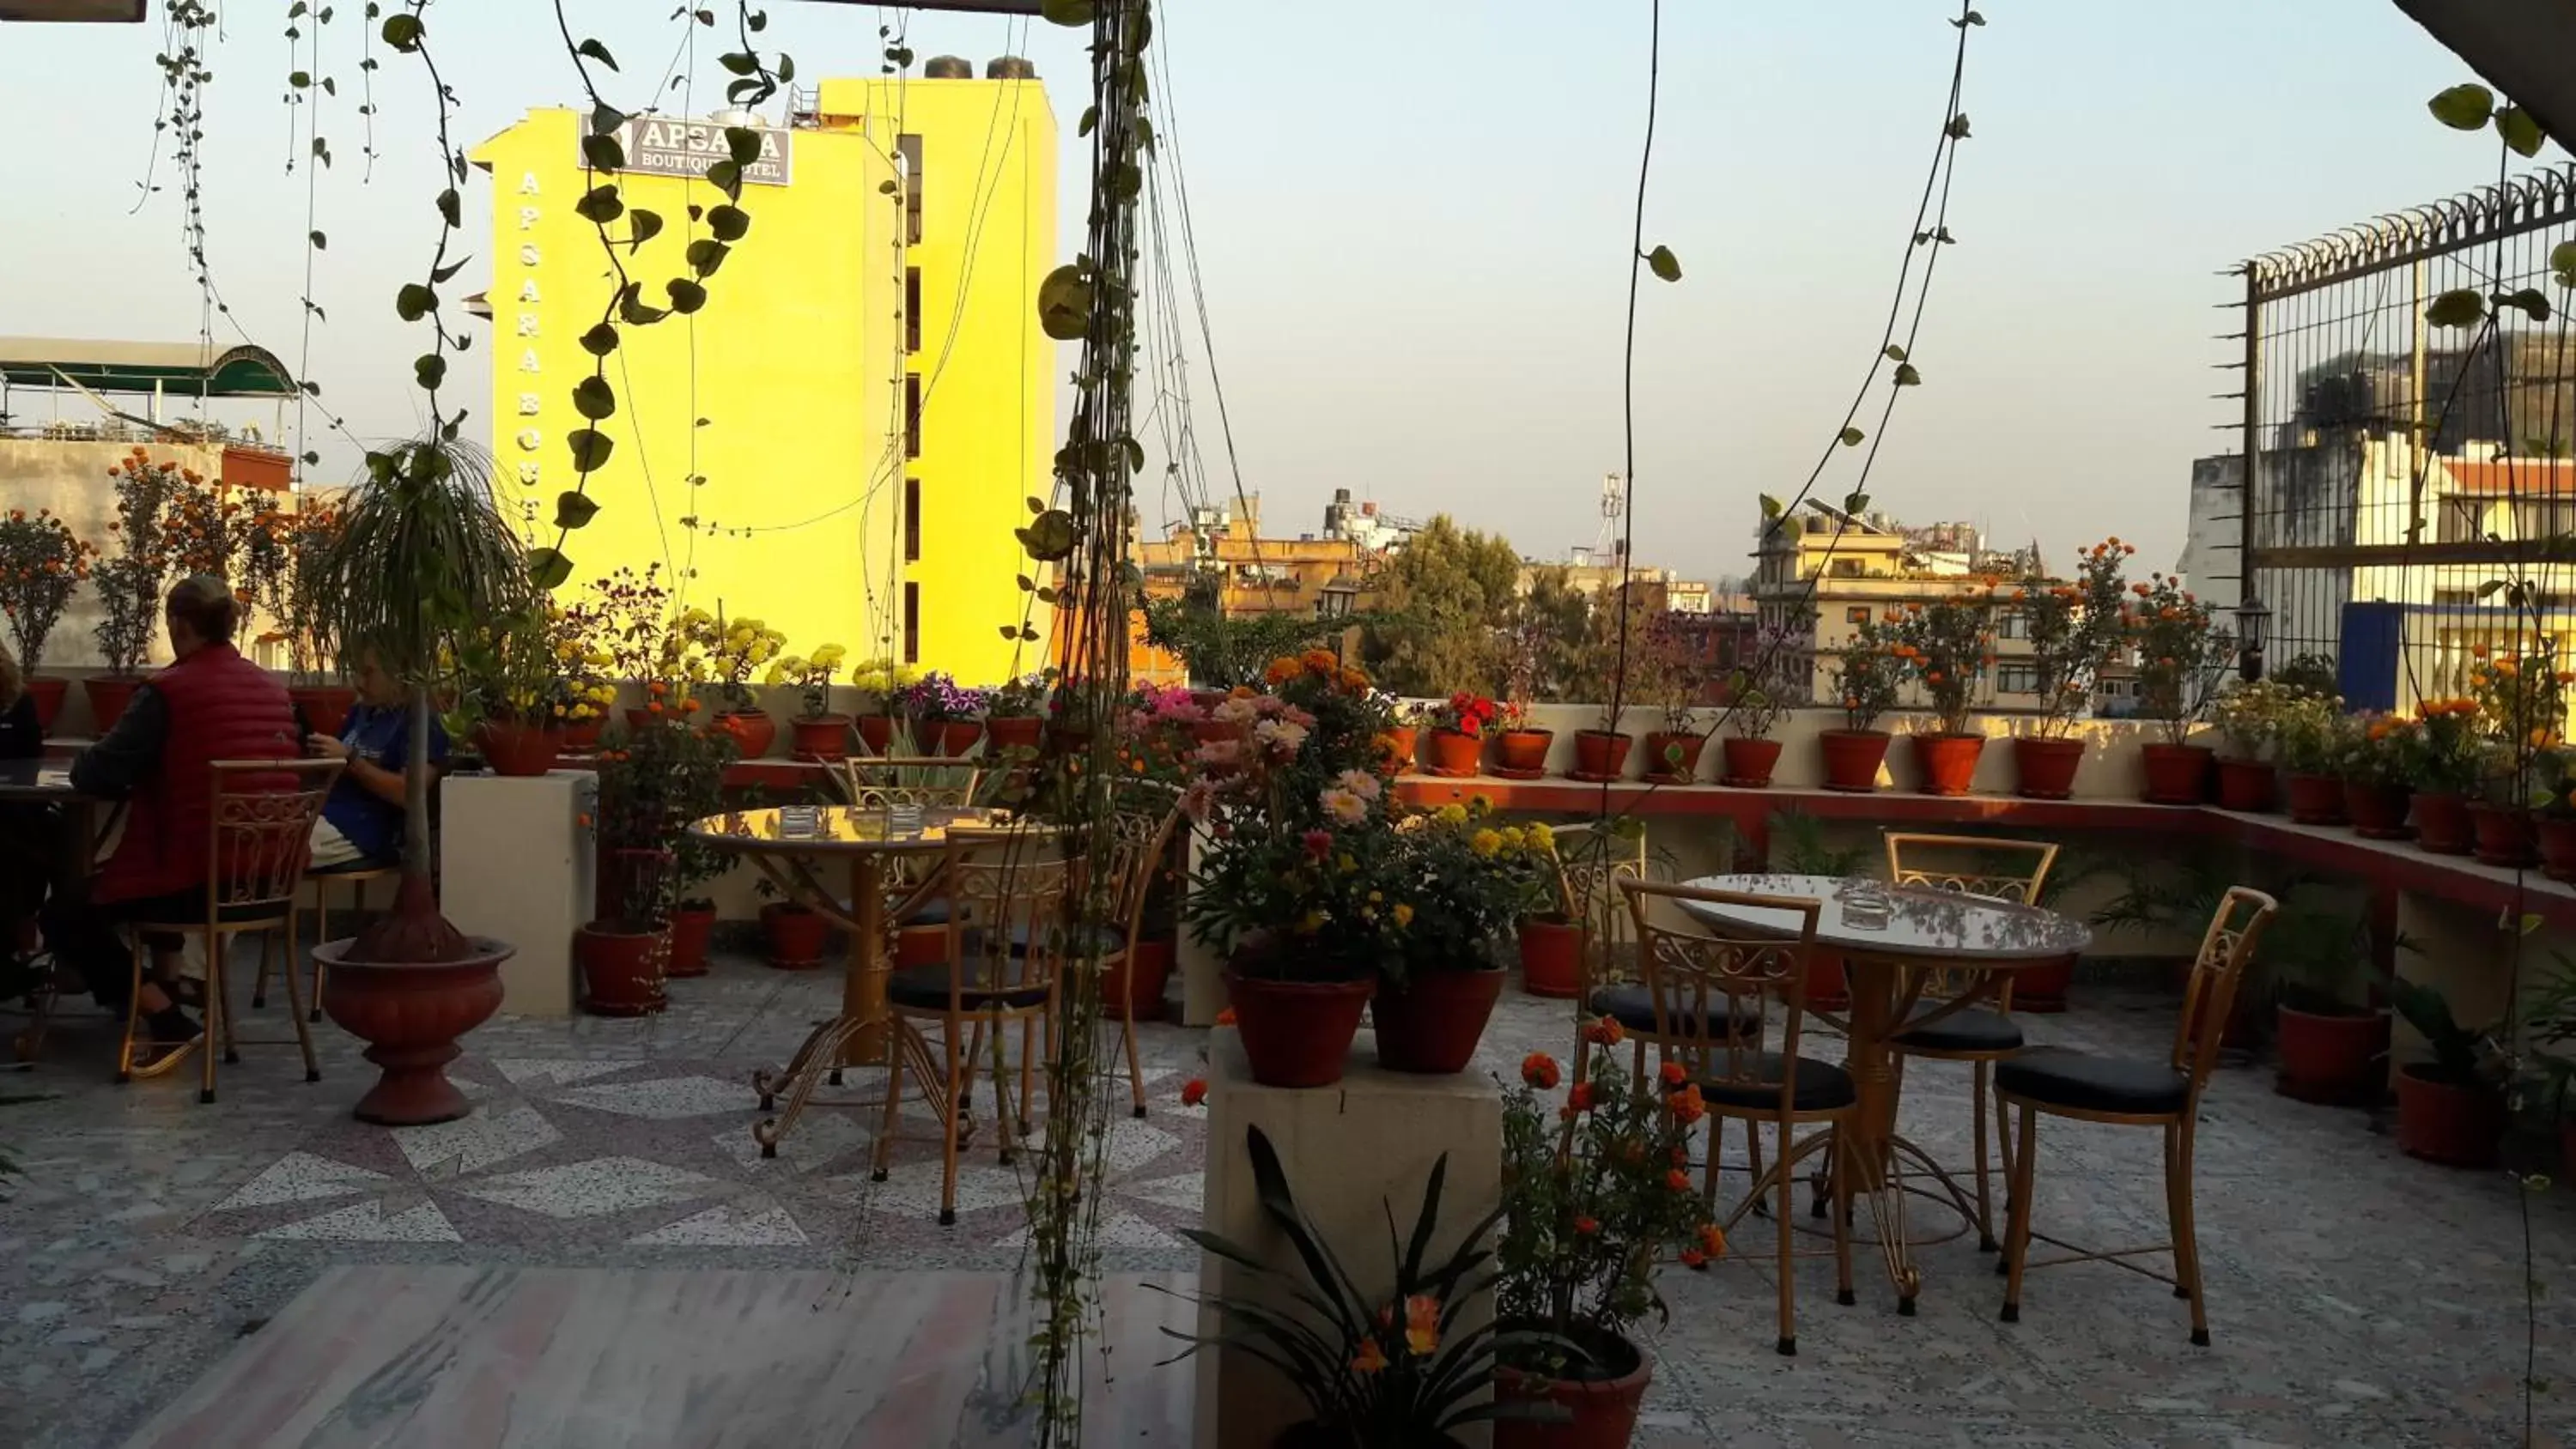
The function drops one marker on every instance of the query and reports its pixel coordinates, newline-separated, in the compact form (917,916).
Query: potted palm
(818,732)
(422,562)
(41,567)
(2072,628)
(2451,1109)
(2332,1041)
(2446,775)
(1948,646)
(2182,654)
(1865,675)
(2248,718)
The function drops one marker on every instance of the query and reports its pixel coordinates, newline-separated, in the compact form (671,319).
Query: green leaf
(593,398)
(632,311)
(605,119)
(1957,130)
(547,568)
(642,226)
(299,79)
(1855,503)
(600,340)
(885,188)
(402,31)
(740,62)
(758,21)
(2460,307)
(2519,131)
(2531,300)
(727,178)
(1010,631)
(2463,107)
(603,153)
(574,509)
(728,223)
(1664,264)
(597,52)
(600,204)
(414,302)
(1090,119)
(1066,12)
(590,448)
(441,274)
(1906,376)
(320,242)
(1123,181)
(742,143)
(2563,256)
(429,370)
(1064,304)
(1851,437)
(686,296)
(1771,507)
(706,254)
(1894,353)
(451,207)
(1049,536)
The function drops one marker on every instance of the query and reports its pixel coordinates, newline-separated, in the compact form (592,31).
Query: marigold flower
(1540,1071)
(1579,1097)
(1674,1074)
(1586,1225)
(1604,1032)
(1686,1105)
(1694,1258)
(1225,1017)
(1193,1091)
(1677,1180)
(1712,1240)
(1370,1358)
(1422,1324)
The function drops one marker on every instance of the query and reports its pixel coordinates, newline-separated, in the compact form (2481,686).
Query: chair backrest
(2209,994)
(1006,917)
(1976,865)
(1704,975)
(1590,863)
(261,830)
(1140,839)
(926,781)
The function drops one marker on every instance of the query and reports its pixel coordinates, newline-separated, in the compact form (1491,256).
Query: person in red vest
(210,704)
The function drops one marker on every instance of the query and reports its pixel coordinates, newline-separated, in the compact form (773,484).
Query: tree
(1446,592)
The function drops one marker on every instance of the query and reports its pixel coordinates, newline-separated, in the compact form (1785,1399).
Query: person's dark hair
(207,605)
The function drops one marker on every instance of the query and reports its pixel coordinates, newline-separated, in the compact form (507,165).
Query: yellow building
(876,397)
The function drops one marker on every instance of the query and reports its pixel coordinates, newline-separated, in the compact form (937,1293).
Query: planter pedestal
(1348,1152)
(516,864)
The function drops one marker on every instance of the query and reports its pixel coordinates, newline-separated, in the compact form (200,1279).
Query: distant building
(1363,523)
(1221,547)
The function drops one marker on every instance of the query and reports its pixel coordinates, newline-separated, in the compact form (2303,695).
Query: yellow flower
(1344,863)
(1451,815)
(1403,914)
(1485,842)
(1513,837)
(1310,923)
(1540,837)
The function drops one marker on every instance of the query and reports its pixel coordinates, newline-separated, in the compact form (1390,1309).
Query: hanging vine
(405,32)
(306,84)
(186,72)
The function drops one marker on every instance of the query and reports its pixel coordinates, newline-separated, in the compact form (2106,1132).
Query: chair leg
(295,1001)
(259,983)
(2017,1236)
(1788,1255)
(884,1149)
(948,1125)
(2003,1140)
(1985,1203)
(1752,1152)
(1135,1073)
(2186,1242)
(219,1022)
(1843,1294)
(966,1103)
(133,1012)
(217,984)
(1028,1073)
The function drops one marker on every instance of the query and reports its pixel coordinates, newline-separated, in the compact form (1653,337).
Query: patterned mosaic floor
(2356,1297)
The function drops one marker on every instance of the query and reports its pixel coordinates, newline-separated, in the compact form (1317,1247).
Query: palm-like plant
(423,558)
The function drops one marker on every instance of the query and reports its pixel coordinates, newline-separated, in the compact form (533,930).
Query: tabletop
(844,830)
(1918,924)
(35,780)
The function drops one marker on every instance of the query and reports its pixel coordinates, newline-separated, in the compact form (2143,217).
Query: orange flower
(1193,1091)
(1225,1017)
(1370,1358)
(1677,1180)
(1578,1098)
(1586,1225)
(1605,1032)
(1686,1105)
(1712,1240)
(1422,1324)
(1674,1074)
(1694,1258)
(1539,1070)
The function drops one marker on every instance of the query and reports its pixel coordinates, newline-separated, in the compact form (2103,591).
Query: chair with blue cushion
(2162,1092)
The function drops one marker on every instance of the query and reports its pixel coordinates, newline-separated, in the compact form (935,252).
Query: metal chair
(2130,1092)
(919,782)
(354,875)
(1140,841)
(1695,976)
(259,833)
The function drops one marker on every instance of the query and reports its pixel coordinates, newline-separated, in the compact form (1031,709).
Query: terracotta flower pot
(1551,956)
(2442,825)
(49,693)
(1673,759)
(108,696)
(326,706)
(753,730)
(1827,988)
(581,737)
(1399,746)
(1852,758)
(1455,755)
(691,925)
(517,749)
(2249,785)
(2557,847)
(2315,799)
(1602,1410)
(2044,769)
(2504,835)
(2176,774)
(1598,755)
(1748,763)
(2329,1058)
(621,970)
(957,736)
(1432,1022)
(410,1014)
(876,731)
(1297,1033)
(2444,1122)
(1948,762)
(2043,989)
(1137,980)
(1522,754)
(1015,732)
(2377,812)
(796,935)
(820,737)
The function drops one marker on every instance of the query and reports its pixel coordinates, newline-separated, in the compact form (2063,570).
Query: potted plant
(1798,846)
(1458,730)
(2072,629)
(880,684)
(2332,1041)
(2307,732)
(1403,730)
(2381,754)
(1865,676)
(284,561)
(817,732)
(2450,1110)
(513,694)
(1597,1194)
(129,584)
(1570,900)
(2248,718)
(1469,879)
(1294,875)
(1948,645)
(940,714)
(1616,664)
(628,617)
(2182,651)
(733,650)
(41,567)
(1780,671)
(2522,701)
(1015,713)
(2446,775)
(1520,748)
(1534,656)
(423,561)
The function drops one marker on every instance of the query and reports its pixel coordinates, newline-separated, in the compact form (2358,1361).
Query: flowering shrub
(1948,646)
(2182,652)
(535,668)
(129,584)
(2074,629)
(732,651)
(935,697)
(1865,676)
(2380,749)
(2522,700)
(811,676)
(41,567)
(2249,716)
(1465,714)
(1022,698)
(2452,756)
(2306,730)
(880,681)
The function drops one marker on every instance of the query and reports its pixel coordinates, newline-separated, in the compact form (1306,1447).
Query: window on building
(912,623)
(2012,624)
(1856,614)
(908,150)
(1849,568)
(2017,679)
(912,520)
(912,309)
(912,415)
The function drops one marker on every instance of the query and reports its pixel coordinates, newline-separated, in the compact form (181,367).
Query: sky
(1413,226)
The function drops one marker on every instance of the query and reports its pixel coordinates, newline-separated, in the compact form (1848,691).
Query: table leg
(1871,1161)
(863,986)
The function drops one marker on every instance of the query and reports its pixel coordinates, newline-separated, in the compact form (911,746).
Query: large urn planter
(1431,1023)
(2336,1058)
(1599,755)
(2043,989)
(518,749)
(2503,835)
(325,707)
(2443,1121)
(1522,754)
(1673,759)
(1947,762)
(753,730)
(1297,1033)
(621,968)
(2249,785)
(2442,825)
(2176,774)
(1748,763)
(1551,956)
(820,738)
(410,1014)
(876,731)
(1852,758)
(2557,841)
(2315,799)
(1135,981)
(1455,755)
(692,923)
(2377,812)
(1599,1409)
(957,736)
(49,694)
(108,697)
(796,935)
(2044,769)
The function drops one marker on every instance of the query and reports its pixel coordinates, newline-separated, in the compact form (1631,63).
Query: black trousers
(84,936)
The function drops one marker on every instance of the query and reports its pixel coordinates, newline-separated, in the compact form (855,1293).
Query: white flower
(1358,782)
(1280,735)
(1232,711)
(1344,807)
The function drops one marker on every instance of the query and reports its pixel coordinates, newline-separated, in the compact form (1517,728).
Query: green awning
(181,369)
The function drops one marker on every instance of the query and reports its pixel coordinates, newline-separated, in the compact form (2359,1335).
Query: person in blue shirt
(363,818)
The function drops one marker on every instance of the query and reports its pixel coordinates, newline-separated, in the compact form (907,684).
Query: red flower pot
(1432,1022)
(49,694)
(2378,812)
(876,731)
(2045,768)
(410,1014)
(1827,988)
(2504,835)
(1136,981)
(326,706)
(2442,825)
(957,736)
(2176,774)
(1748,763)
(1456,755)
(2249,785)
(1602,1410)
(1598,755)
(621,970)
(2330,1058)
(2438,1121)
(2557,847)
(1852,758)
(753,730)
(1673,759)
(2043,989)
(1948,762)
(1015,732)
(1551,956)
(690,927)
(581,737)
(1399,748)
(821,738)
(1522,754)
(1297,1033)
(2315,799)
(518,749)
(108,696)
(796,935)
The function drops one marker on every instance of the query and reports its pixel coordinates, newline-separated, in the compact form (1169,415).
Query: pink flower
(1197,800)
(1233,711)
(1298,717)
(1221,753)
(1344,807)
(1281,735)
(1319,843)
(1358,782)
(1268,704)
